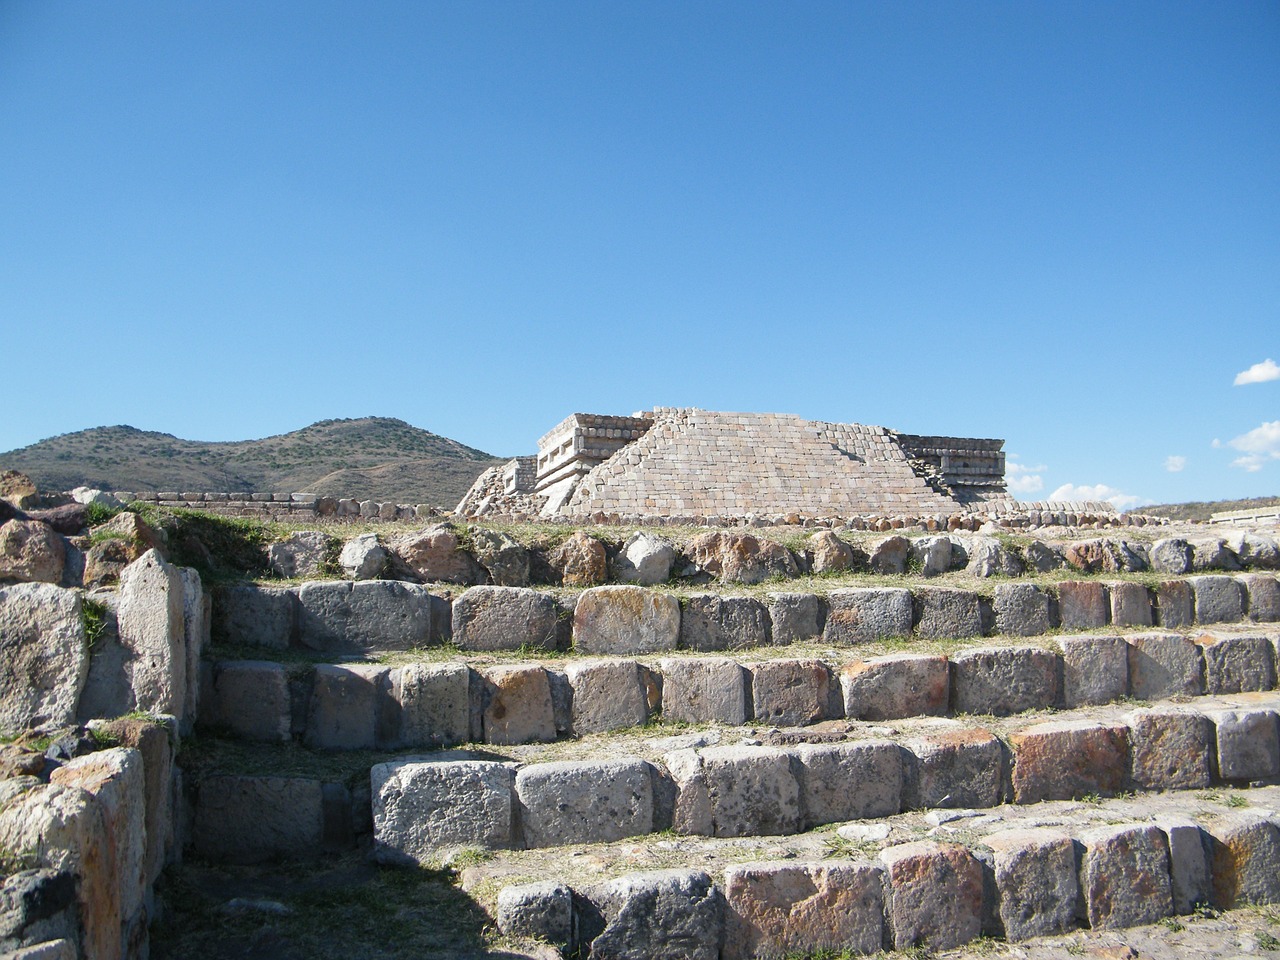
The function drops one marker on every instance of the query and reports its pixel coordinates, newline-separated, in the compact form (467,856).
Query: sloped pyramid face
(695,462)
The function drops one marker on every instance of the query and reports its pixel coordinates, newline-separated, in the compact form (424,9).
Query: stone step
(370,616)
(433,703)
(732,782)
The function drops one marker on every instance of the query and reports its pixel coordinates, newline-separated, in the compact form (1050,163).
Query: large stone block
(935,895)
(703,690)
(772,909)
(710,622)
(31,551)
(1170,749)
(44,657)
(1005,680)
(252,819)
(666,913)
(736,791)
(1021,610)
(1262,594)
(645,560)
(947,764)
(860,614)
(1095,669)
(421,809)
(196,609)
(153,631)
(1236,664)
(1124,875)
(345,708)
(1063,759)
(790,693)
(796,617)
(849,781)
(1130,604)
(541,911)
(1164,665)
(896,686)
(1245,859)
(505,618)
(255,616)
(345,617)
(1219,599)
(625,620)
(1248,743)
(584,801)
(1082,605)
(517,705)
(607,695)
(1035,878)
(156,744)
(250,700)
(944,613)
(1175,604)
(37,906)
(1189,873)
(1170,555)
(435,703)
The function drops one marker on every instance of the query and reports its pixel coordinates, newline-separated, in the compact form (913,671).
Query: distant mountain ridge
(378,458)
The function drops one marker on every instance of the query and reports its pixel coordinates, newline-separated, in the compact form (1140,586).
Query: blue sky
(1056,223)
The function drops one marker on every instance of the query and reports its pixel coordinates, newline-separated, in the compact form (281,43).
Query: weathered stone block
(518,705)
(829,771)
(252,819)
(710,622)
(943,613)
(1170,555)
(625,620)
(736,791)
(1095,669)
(607,695)
(1005,680)
(935,894)
(645,560)
(435,703)
(35,907)
(666,913)
(153,631)
(341,616)
(542,911)
(1245,859)
(422,809)
(1189,874)
(1130,604)
(1248,744)
(1164,665)
(859,614)
(1021,610)
(1175,604)
(1262,595)
(895,686)
(44,657)
(250,699)
(586,801)
(1218,599)
(345,705)
(1082,605)
(504,618)
(1170,749)
(793,908)
(1236,664)
(255,616)
(1063,759)
(790,693)
(1124,876)
(1035,877)
(950,765)
(796,617)
(703,690)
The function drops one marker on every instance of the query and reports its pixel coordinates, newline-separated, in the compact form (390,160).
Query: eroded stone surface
(790,693)
(518,707)
(1245,859)
(703,690)
(796,617)
(859,614)
(44,660)
(735,791)
(945,613)
(1021,610)
(950,765)
(505,618)
(666,913)
(1035,877)
(584,801)
(711,622)
(1170,749)
(828,774)
(625,620)
(1164,665)
(1082,605)
(435,703)
(1095,669)
(252,819)
(895,686)
(935,894)
(1062,759)
(1005,680)
(1124,875)
(423,808)
(607,695)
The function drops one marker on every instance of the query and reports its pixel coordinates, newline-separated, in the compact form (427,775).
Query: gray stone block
(1164,665)
(255,616)
(947,764)
(345,707)
(421,809)
(1190,880)
(1170,749)
(1021,610)
(935,895)
(1005,680)
(1219,599)
(703,690)
(860,614)
(1095,669)
(944,613)
(434,703)
(1035,878)
(1064,759)
(517,705)
(828,771)
(1171,555)
(1175,604)
(505,618)
(666,913)
(625,620)
(345,617)
(252,819)
(585,801)
(539,911)
(1082,605)
(1262,596)
(711,622)
(736,791)
(1245,864)
(1130,604)
(44,657)
(896,686)
(1248,744)
(1237,664)
(796,617)
(1124,876)
(250,700)
(607,695)
(790,693)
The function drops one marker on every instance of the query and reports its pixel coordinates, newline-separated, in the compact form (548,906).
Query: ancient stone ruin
(674,461)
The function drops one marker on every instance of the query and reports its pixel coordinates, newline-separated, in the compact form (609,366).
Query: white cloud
(1259,445)
(1021,479)
(1259,373)
(1175,464)
(1098,491)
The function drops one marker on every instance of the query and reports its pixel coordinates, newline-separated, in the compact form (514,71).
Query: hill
(371,457)
(1197,510)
